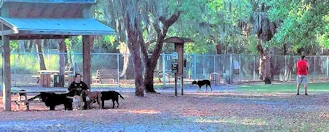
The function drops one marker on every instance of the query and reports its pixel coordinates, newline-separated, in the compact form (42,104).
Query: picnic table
(34,90)
(45,76)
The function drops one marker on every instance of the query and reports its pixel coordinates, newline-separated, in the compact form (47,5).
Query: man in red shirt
(302,72)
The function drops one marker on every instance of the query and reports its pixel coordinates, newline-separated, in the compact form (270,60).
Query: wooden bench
(160,75)
(106,74)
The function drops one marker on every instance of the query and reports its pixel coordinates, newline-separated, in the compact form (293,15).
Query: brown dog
(91,97)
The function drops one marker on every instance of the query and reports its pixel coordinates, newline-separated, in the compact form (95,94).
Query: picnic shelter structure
(47,19)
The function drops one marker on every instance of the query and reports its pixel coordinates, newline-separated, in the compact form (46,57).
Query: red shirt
(302,67)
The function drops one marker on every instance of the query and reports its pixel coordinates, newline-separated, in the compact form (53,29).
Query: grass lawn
(312,87)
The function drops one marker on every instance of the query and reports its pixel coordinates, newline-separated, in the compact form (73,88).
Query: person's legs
(299,80)
(305,80)
(83,94)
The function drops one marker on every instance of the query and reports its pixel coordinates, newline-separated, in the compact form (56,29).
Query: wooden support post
(87,41)
(6,78)
(179,49)
(61,65)
(175,84)
(6,83)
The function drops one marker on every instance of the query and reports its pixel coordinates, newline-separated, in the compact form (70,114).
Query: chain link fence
(231,68)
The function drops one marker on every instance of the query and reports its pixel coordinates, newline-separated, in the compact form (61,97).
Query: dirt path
(220,110)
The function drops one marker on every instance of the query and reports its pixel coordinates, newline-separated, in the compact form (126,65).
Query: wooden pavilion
(47,19)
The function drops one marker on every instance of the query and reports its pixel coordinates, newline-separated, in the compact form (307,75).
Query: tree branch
(172,19)
(150,42)
(157,27)
(143,46)
(168,22)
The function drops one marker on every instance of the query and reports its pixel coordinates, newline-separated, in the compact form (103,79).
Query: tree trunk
(265,68)
(149,78)
(127,65)
(138,74)
(66,55)
(134,48)
(21,46)
(39,49)
(133,23)
(218,48)
(31,46)
(152,62)
(26,44)
(265,30)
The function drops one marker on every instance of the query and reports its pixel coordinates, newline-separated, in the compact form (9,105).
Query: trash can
(214,78)
(45,79)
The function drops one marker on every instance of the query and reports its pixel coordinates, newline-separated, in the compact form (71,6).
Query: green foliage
(13,45)
(323,40)
(305,23)
(251,42)
(193,48)
(109,39)
(211,22)
(29,63)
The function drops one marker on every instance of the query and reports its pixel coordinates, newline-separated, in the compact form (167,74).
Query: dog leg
(52,108)
(25,96)
(19,97)
(102,103)
(99,103)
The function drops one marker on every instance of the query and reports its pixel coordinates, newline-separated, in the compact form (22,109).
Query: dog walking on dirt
(200,83)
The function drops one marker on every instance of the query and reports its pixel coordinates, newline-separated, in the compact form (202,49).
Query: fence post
(231,69)
(285,69)
(48,55)
(254,73)
(327,68)
(194,66)
(215,63)
(239,68)
(118,70)
(313,68)
(14,66)
(163,69)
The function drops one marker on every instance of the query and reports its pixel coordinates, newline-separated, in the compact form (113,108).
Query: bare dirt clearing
(211,111)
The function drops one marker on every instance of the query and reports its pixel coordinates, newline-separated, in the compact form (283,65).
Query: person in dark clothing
(78,84)
(77,87)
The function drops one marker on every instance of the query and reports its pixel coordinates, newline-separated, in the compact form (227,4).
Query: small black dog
(200,83)
(52,100)
(107,95)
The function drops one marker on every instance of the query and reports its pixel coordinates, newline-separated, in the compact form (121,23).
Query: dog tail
(120,95)
(37,96)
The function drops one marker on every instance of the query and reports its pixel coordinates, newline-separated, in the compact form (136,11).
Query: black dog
(52,100)
(107,95)
(200,83)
